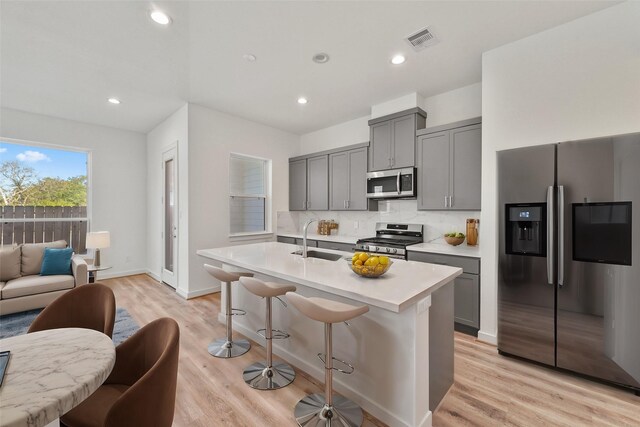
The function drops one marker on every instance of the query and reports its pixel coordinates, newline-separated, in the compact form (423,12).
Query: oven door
(390,184)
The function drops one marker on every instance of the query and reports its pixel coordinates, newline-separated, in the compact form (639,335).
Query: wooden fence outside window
(38,224)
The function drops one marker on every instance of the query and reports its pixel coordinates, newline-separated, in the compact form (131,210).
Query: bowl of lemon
(368,265)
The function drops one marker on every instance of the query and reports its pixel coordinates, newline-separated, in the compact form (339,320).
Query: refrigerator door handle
(550,242)
(561,235)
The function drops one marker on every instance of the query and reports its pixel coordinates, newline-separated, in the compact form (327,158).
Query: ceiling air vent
(422,39)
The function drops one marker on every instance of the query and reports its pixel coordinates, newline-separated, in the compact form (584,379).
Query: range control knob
(364,247)
(373,248)
(388,250)
(394,251)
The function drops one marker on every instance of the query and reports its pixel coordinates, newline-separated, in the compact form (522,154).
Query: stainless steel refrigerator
(569,256)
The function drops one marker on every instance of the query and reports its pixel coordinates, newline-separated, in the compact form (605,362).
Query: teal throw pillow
(56,261)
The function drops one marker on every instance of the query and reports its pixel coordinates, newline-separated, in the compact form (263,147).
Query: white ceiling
(65,58)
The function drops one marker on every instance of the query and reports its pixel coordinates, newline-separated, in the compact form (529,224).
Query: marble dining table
(51,372)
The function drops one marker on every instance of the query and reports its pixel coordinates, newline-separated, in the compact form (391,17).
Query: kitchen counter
(441,247)
(402,349)
(404,284)
(437,247)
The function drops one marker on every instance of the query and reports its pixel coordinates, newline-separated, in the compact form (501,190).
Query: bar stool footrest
(238,312)
(276,334)
(350,367)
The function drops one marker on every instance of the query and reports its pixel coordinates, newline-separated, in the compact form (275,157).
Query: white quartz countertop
(437,247)
(51,372)
(441,247)
(403,285)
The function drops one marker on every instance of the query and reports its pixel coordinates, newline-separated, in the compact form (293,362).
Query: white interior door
(170,217)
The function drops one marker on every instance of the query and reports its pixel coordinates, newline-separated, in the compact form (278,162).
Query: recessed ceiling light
(160,17)
(398,59)
(320,58)
(249,57)
(302,100)
(115,101)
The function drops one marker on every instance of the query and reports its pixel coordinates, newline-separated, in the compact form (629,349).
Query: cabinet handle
(446,201)
(344,204)
(348,203)
(392,161)
(308,204)
(450,201)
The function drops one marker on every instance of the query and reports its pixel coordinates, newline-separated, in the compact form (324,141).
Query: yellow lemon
(363,257)
(374,260)
(358,262)
(379,268)
(384,260)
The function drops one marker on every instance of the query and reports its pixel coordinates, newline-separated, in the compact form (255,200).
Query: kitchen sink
(322,255)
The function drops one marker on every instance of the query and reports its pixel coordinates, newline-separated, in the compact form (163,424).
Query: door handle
(398,182)
(550,242)
(560,235)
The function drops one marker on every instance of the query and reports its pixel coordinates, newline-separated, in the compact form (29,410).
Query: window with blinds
(248,194)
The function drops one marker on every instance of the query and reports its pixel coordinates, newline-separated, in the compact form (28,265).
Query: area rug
(18,324)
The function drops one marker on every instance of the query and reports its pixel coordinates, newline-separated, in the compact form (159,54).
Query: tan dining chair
(141,389)
(87,306)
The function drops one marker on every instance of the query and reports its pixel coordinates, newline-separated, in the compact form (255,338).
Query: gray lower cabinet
(392,142)
(309,184)
(449,165)
(336,246)
(347,180)
(297,241)
(466,287)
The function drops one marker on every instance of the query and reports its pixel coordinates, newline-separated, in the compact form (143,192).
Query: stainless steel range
(391,239)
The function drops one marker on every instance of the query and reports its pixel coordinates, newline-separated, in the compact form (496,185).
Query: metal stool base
(259,376)
(228,349)
(312,411)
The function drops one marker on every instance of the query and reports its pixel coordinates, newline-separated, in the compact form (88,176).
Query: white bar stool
(267,375)
(227,347)
(327,410)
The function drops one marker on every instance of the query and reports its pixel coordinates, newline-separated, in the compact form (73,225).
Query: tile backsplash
(363,223)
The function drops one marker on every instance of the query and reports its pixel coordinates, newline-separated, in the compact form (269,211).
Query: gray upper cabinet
(298,185)
(380,146)
(449,167)
(347,180)
(393,139)
(318,183)
(309,184)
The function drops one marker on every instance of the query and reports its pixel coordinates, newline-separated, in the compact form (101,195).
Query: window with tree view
(43,195)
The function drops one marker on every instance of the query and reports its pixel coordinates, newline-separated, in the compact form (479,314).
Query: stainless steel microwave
(392,184)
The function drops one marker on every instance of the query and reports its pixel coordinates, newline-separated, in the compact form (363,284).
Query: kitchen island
(408,329)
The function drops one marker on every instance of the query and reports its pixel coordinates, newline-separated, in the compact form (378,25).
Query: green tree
(15,180)
(58,192)
(20,186)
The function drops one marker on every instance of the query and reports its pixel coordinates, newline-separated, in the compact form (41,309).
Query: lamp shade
(98,240)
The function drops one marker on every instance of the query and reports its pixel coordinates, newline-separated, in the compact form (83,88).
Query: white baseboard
(488,338)
(154,276)
(341,387)
(198,293)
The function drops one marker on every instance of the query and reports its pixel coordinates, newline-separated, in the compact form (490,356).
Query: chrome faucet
(304,237)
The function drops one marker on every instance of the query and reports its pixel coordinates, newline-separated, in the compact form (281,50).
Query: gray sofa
(21,285)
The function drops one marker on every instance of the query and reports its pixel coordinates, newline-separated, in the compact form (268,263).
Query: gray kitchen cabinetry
(318,183)
(309,183)
(393,139)
(298,185)
(336,246)
(297,241)
(466,288)
(449,166)
(347,180)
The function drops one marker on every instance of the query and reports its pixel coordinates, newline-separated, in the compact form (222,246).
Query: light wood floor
(489,390)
